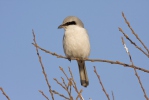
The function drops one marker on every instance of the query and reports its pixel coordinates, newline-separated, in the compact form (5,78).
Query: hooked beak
(61,26)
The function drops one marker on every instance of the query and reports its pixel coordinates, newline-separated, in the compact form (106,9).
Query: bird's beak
(61,26)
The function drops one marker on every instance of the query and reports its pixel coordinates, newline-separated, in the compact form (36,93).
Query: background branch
(126,36)
(4,93)
(133,32)
(43,70)
(139,80)
(67,87)
(113,96)
(61,95)
(44,94)
(101,83)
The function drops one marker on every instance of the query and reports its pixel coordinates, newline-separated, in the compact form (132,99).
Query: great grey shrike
(76,44)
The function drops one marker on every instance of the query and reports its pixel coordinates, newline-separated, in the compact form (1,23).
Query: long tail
(83,73)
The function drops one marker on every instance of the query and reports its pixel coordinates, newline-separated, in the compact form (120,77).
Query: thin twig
(101,83)
(64,86)
(64,83)
(70,91)
(71,81)
(113,95)
(42,66)
(60,94)
(133,32)
(64,73)
(67,87)
(134,69)
(80,95)
(126,36)
(4,93)
(75,86)
(60,84)
(44,94)
(93,60)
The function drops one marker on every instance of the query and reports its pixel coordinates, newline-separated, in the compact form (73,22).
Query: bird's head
(71,20)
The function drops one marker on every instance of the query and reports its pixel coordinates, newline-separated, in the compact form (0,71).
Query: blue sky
(20,72)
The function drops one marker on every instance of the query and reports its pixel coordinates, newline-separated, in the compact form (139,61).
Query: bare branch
(4,93)
(113,95)
(44,94)
(135,70)
(71,82)
(101,83)
(93,60)
(133,32)
(67,88)
(64,83)
(64,73)
(60,94)
(80,95)
(126,36)
(64,86)
(75,86)
(60,84)
(42,66)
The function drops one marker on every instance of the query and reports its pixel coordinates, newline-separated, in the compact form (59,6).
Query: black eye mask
(70,23)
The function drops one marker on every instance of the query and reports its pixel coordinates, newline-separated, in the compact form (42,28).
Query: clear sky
(20,72)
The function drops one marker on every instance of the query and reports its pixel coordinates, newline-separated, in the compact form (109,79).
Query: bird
(76,44)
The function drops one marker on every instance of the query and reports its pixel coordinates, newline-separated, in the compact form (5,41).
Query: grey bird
(76,44)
